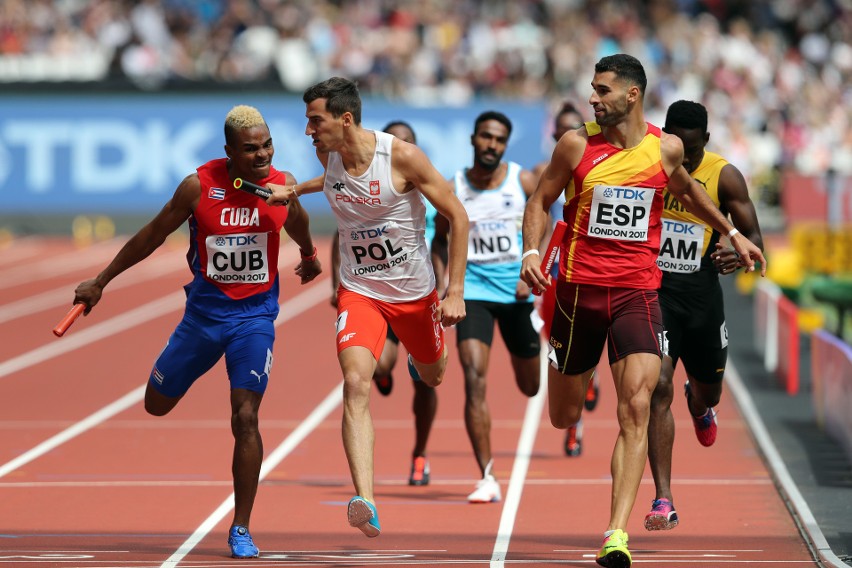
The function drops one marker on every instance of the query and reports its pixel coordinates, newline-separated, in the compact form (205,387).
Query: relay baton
(252,188)
(69,318)
(552,249)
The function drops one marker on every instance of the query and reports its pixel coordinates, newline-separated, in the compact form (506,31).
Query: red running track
(87,479)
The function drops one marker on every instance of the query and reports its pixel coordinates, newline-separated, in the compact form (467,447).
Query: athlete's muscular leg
(635,377)
(248,452)
(565,396)
(425,406)
(661,432)
(358,364)
(433,373)
(704,395)
(387,359)
(527,373)
(157,404)
(474,354)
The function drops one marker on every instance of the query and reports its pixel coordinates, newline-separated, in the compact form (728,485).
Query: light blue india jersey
(495,241)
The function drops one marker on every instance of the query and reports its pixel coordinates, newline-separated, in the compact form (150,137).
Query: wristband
(309,257)
(295,193)
(529,252)
(733,232)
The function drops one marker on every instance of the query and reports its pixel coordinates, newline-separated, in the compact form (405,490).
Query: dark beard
(489,167)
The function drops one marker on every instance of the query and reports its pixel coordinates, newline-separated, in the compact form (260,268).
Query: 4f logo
(339,186)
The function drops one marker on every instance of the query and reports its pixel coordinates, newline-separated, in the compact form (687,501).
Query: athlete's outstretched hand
(281,194)
(451,310)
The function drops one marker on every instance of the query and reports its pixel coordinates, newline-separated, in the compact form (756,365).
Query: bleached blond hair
(240,117)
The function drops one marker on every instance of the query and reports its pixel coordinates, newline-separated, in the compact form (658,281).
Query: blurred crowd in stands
(776,75)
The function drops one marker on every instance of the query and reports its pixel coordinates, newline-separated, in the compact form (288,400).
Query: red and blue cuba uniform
(232,301)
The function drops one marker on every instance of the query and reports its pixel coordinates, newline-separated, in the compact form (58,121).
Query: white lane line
(289,309)
(110,327)
(526,441)
(806,522)
(87,423)
(314,419)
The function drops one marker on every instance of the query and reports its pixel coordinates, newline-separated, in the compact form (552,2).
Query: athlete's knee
(244,420)
(527,373)
(474,385)
(634,410)
(662,397)
(565,418)
(710,394)
(157,404)
(529,383)
(355,385)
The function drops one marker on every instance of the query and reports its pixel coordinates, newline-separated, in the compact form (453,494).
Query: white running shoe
(487,491)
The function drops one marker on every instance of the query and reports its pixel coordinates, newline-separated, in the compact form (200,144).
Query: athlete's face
(489,144)
(250,151)
(325,130)
(565,122)
(694,140)
(611,98)
(403,133)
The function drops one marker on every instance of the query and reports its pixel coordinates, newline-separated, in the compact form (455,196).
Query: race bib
(493,241)
(239,258)
(681,245)
(375,249)
(620,213)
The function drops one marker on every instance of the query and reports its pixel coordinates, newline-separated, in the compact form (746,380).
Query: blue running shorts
(199,342)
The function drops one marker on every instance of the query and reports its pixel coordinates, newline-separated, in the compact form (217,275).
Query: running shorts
(627,319)
(363,322)
(514,320)
(696,330)
(198,343)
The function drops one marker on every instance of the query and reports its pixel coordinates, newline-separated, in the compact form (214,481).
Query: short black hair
(493,115)
(402,123)
(625,67)
(341,96)
(686,114)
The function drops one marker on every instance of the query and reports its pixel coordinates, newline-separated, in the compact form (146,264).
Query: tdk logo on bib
(358,234)
(236,240)
(625,193)
(679,228)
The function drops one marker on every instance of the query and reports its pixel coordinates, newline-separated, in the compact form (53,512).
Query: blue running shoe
(242,546)
(412,370)
(363,515)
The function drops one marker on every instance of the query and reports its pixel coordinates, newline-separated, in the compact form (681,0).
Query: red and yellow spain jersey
(613,207)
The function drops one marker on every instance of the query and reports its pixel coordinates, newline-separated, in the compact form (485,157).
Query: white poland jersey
(383,252)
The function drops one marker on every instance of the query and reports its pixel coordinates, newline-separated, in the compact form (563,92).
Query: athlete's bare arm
(173,214)
(297,227)
(555,177)
(690,193)
(282,194)
(440,249)
(335,267)
(735,200)
(411,167)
